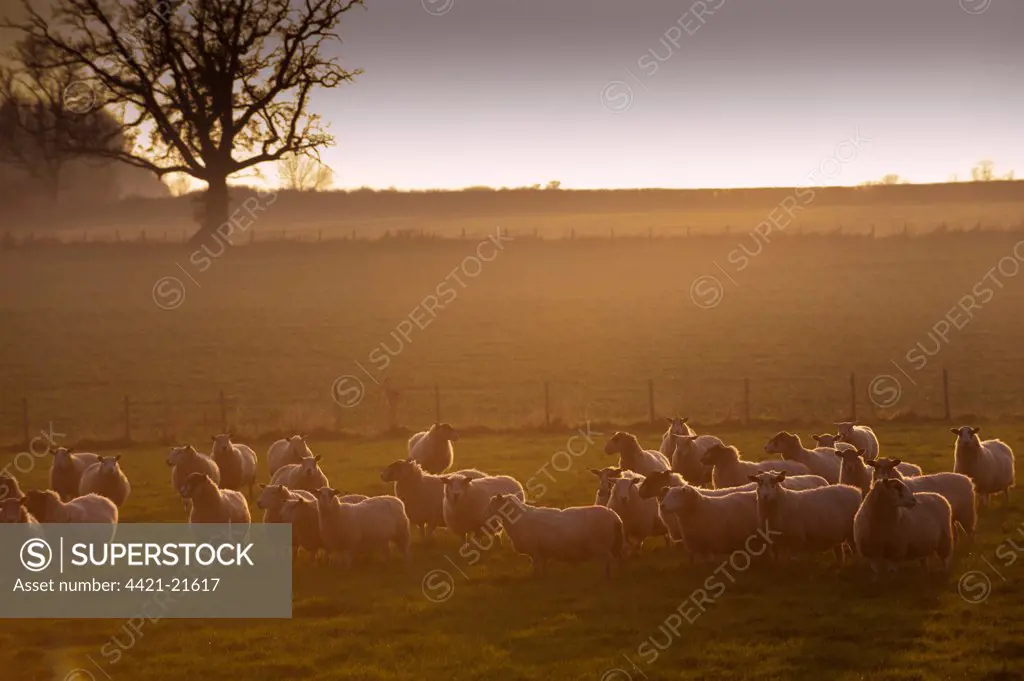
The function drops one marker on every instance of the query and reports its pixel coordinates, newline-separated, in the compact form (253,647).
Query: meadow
(447,616)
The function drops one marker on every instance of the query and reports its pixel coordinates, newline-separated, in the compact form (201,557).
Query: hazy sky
(594,92)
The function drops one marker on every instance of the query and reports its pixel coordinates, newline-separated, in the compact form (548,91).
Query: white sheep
(12,510)
(861,437)
(305,475)
(106,478)
(47,507)
(711,525)
(606,478)
(957,488)
(833,441)
(853,470)
(211,504)
(649,489)
(465,502)
(633,457)
(575,534)
(286,451)
(810,520)
(676,426)
(304,516)
(184,461)
(433,449)
(364,527)
(272,497)
(9,488)
(895,523)
(988,463)
(237,464)
(422,493)
(820,461)
(688,456)
(66,470)
(732,471)
(640,517)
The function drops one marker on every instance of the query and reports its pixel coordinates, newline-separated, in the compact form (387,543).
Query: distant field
(274,327)
(810,619)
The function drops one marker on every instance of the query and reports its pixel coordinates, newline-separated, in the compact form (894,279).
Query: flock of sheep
(695,491)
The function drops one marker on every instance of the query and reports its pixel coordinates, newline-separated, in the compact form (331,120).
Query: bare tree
(211,87)
(983,171)
(178,184)
(304,173)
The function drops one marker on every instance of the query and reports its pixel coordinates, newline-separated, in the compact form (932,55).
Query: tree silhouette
(304,173)
(209,88)
(983,171)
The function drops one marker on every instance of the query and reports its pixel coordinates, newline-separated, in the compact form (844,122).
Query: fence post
(437,404)
(223,413)
(853,397)
(945,393)
(547,406)
(746,401)
(127,419)
(24,420)
(650,399)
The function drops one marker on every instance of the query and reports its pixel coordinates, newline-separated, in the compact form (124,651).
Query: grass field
(805,620)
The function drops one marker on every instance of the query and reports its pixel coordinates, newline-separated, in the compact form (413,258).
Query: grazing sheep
(820,461)
(433,449)
(676,426)
(363,527)
(422,493)
(12,510)
(810,520)
(957,488)
(895,523)
(711,525)
(305,475)
(106,478)
(211,504)
(465,502)
(570,535)
(286,451)
(833,441)
(988,463)
(688,455)
(640,517)
(47,507)
(861,437)
(66,471)
(9,488)
(732,471)
(606,478)
(237,464)
(853,470)
(633,457)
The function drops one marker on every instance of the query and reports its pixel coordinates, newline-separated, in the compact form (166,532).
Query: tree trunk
(216,202)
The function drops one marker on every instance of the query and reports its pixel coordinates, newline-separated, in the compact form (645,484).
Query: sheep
(833,441)
(732,471)
(711,525)
(896,523)
(272,497)
(820,461)
(633,457)
(688,455)
(432,448)
(9,488)
(47,507)
(362,527)
(106,478)
(66,471)
(422,493)
(988,463)
(185,461)
(676,426)
(606,478)
(574,534)
(640,517)
(237,463)
(305,475)
(861,437)
(212,504)
(649,488)
(854,471)
(304,516)
(810,520)
(956,487)
(12,510)
(286,451)
(465,501)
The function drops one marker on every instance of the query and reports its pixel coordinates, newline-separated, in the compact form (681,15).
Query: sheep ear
(975,431)
(117,458)
(684,419)
(669,420)
(213,438)
(779,477)
(895,462)
(752,478)
(595,472)
(873,464)
(635,481)
(955,431)
(262,486)
(317,457)
(615,473)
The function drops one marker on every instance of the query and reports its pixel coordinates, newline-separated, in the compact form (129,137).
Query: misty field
(290,332)
(485,617)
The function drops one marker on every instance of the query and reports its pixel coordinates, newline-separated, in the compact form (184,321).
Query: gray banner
(153,570)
